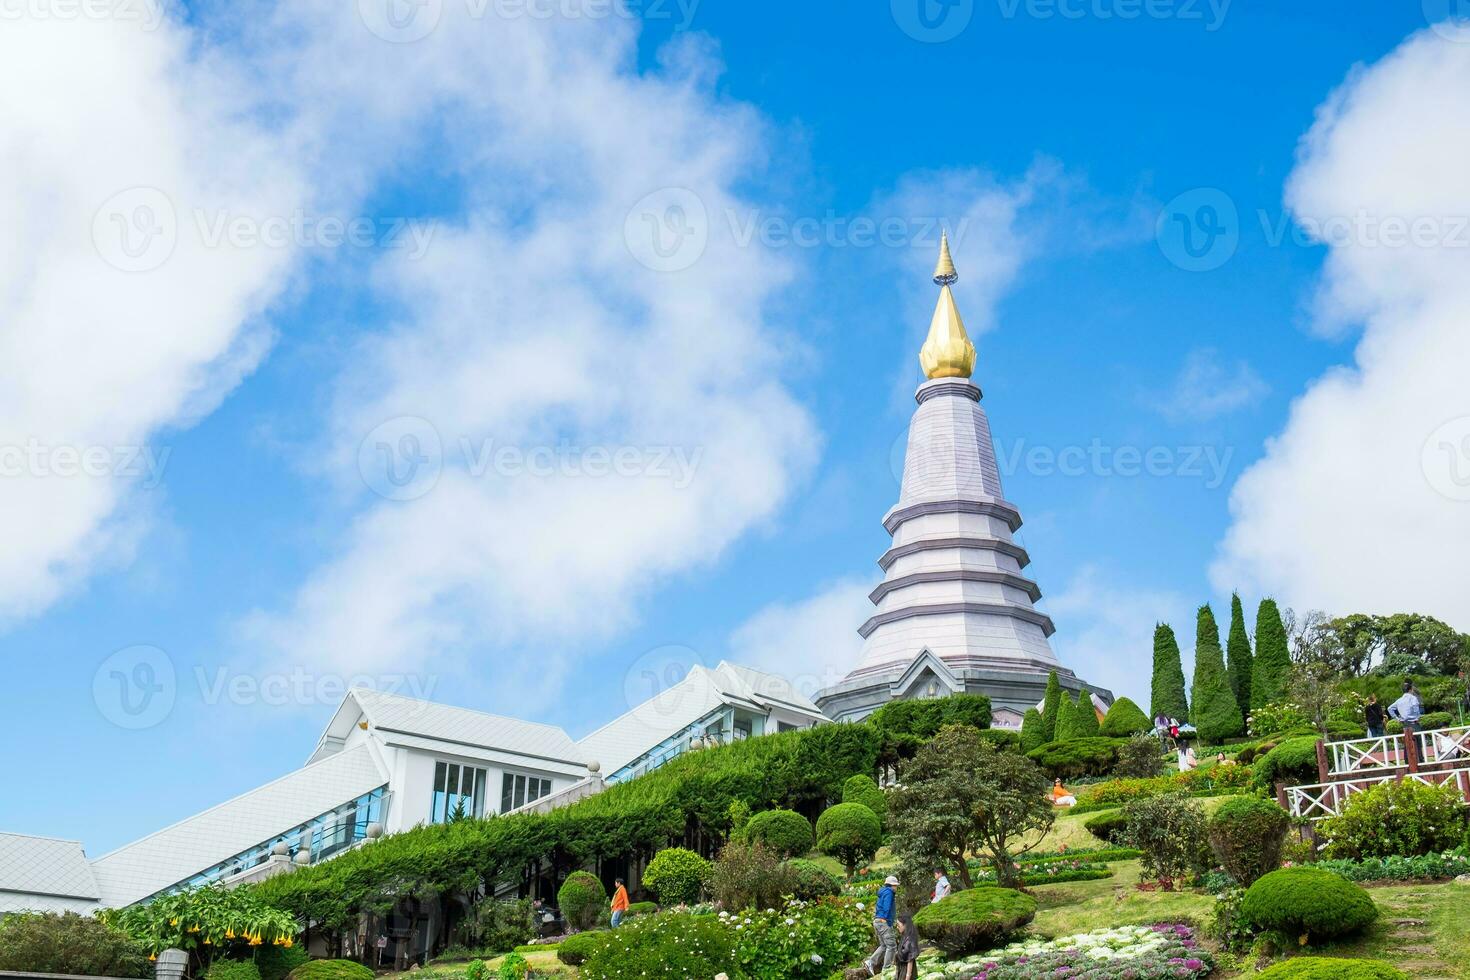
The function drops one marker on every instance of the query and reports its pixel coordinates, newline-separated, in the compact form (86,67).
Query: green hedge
(1293,762)
(1110,825)
(786,832)
(331,970)
(574,950)
(232,970)
(1077,757)
(1308,902)
(1329,968)
(974,920)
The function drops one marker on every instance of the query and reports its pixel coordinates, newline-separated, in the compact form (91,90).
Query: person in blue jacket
(887,950)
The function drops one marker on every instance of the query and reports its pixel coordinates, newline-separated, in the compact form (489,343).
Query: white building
(386,763)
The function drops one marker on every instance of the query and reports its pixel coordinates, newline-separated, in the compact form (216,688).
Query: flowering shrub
(1051,872)
(802,941)
(671,946)
(1406,819)
(1131,952)
(1200,782)
(1273,719)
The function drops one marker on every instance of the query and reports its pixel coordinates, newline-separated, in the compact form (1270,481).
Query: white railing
(1361,754)
(1444,745)
(1318,801)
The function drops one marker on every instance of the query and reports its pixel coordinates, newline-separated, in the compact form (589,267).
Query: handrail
(1318,801)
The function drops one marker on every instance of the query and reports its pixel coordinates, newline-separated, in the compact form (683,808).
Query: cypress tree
(1051,706)
(1215,714)
(1087,723)
(1033,730)
(1167,696)
(1273,658)
(1238,650)
(1066,719)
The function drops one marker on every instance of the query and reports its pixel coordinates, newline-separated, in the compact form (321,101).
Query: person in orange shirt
(1061,796)
(619,902)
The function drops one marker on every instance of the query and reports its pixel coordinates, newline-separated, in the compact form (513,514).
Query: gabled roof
(35,872)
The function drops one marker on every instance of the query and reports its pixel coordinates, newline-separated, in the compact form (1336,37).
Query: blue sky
(1061,150)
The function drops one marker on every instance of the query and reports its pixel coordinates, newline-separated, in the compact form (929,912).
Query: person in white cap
(883,957)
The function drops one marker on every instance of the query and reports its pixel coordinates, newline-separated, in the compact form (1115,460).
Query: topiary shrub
(275,962)
(851,833)
(574,950)
(1125,718)
(811,881)
(1405,819)
(1170,831)
(974,920)
(581,899)
(786,832)
(1247,835)
(862,789)
(677,875)
(664,947)
(1330,968)
(1003,740)
(1293,762)
(52,942)
(1076,757)
(232,970)
(640,908)
(1139,758)
(1033,730)
(1307,904)
(331,970)
(1110,825)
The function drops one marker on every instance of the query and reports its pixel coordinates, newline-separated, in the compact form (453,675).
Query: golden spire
(947,351)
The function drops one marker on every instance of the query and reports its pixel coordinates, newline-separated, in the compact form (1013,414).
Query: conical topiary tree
(1125,718)
(1066,720)
(1215,713)
(1087,723)
(1051,706)
(1167,696)
(1272,663)
(1238,653)
(1033,730)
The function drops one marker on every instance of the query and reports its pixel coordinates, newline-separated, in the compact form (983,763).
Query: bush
(576,949)
(1076,757)
(677,875)
(810,881)
(513,967)
(675,946)
(232,970)
(1110,825)
(1170,831)
(1140,758)
(1293,762)
(1125,718)
(331,970)
(581,899)
(1246,835)
(499,926)
(68,943)
(640,908)
(799,941)
(974,920)
(750,876)
(862,789)
(275,962)
(1329,968)
(1001,739)
(786,832)
(1033,730)
(477,970)
(1307,902)
(923,718)
(850,832)
(1406,819)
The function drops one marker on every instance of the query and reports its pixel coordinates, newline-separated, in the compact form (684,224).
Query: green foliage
(1215,713)
(1067,729)
(51,942)
(975,919)
(800,941)
(499,926)
(1238,657)
(923,718)
(477,970)
(581,899)
(1170,831)
(1139,758)
(1125,718)
(678,875)
(1109,825)
(1331,968)
(960,796)
(1293,762)
(862,789)
(739,813)
(275,962)
(1406,818)
(810,881)
(1077,757)
(232,970)
(1051,706)
(849,832)
(1005,741)
(750,875)
(1307,902)
(331,970)
(1209,781)
(786,832)
(212,916)
(1167,694)
(1272,662)
(1033,730)
(673,946)
(1247,835)
(1086,719)
(513,967)
(574,950)
(1277,718)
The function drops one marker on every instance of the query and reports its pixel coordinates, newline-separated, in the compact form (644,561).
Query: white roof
(44,874)
(394,713)
(161,860)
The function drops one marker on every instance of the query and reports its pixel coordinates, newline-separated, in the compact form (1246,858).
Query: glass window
(457,788)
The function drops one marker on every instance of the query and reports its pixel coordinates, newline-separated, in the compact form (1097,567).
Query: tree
(1167,695)
(1033,730)
(1066,720)
(1124,718)
(1314,687)
(851,833)
(1087,723)
(1238,649)
(961,796)
(1050,706)
(1215,714)
(1272,663)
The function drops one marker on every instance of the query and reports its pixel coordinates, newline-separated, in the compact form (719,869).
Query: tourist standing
(1407,708)
(907,955)
(1373,715)
(941,887)
(619,903)
(883,957)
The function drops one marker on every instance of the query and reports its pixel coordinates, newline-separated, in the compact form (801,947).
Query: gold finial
(947,351)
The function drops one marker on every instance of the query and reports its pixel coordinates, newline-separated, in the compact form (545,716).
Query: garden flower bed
(1427,867)
(1126,953)
(1052,872)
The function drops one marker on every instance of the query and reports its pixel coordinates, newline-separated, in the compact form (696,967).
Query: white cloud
(123,139)
(1360,502)
(1209,386)
(812,641)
